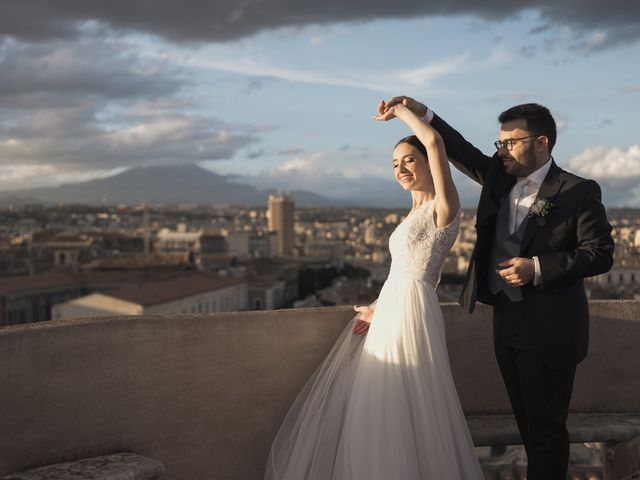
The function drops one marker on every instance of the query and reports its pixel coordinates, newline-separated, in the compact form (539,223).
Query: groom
(540,232)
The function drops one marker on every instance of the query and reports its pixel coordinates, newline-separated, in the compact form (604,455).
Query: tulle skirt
(381,406)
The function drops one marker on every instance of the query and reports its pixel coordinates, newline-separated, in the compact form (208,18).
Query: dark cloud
(290,151)
(62,73)
(540,29)
(218,20)
(256,154)
(254,85)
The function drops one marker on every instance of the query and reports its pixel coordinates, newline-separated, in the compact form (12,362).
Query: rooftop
(23,284)
(206,393)
(165,291)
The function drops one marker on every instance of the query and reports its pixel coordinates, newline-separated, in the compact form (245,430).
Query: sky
(280,94)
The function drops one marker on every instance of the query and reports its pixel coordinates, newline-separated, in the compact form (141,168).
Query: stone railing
(204,394)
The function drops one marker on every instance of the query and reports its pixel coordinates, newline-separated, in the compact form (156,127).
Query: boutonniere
(540,209)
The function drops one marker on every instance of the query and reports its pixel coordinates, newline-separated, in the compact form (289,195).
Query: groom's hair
(539,120)
(414,142)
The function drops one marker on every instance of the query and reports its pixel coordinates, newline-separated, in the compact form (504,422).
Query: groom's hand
(517,271)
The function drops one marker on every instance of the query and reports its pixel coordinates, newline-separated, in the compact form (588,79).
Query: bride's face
(410,167)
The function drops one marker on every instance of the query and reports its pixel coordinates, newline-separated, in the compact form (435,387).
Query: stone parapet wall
(204,394)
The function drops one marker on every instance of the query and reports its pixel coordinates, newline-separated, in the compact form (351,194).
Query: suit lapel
(548,191)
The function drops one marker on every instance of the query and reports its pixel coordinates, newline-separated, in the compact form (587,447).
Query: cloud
(316,40)
(259,68)
(422,76)
(222,21)
(93,104)
(254,85)
(290,151)
(426,74)
(609,163)
(73,137)
(540,29)
(32,176)
(617,170)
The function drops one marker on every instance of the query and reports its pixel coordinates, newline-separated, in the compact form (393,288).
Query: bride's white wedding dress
(383,406)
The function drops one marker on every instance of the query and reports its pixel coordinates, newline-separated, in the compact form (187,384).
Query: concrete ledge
(502,429)
(119,466)
(206,393)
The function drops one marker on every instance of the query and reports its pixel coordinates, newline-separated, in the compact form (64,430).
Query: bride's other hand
(363,323)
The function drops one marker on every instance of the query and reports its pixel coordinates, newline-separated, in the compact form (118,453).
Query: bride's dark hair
(414,142)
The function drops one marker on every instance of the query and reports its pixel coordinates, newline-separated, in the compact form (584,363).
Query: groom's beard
(524,164)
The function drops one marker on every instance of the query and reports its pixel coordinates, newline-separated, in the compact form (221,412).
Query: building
(61,250)
(196,293)
(264,244)
(238,242)
(194,242)
(266,293)
(29,298)
(281,210)
(620,275)
(330,250)
(264,275)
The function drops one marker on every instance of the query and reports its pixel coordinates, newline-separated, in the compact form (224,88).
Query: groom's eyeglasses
(510,143)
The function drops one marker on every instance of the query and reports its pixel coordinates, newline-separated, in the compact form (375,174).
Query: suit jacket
(572,242)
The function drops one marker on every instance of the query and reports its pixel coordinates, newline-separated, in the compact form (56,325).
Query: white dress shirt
(521,197)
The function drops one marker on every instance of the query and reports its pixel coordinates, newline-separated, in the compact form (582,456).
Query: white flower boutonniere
(540,209)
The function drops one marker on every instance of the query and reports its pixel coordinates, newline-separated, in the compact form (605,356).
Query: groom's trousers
(539,395)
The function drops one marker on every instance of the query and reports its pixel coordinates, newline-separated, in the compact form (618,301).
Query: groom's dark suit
(540,339)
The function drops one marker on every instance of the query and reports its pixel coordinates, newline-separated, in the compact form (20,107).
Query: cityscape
(74,261)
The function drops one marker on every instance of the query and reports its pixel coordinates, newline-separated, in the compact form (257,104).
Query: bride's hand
(366,313)
(419,109)
(386,112)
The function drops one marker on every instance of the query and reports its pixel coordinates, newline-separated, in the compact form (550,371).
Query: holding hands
(390,109)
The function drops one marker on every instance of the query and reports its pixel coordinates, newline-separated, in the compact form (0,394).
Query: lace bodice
(418,247)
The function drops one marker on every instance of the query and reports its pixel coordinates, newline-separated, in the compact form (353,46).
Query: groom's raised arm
(464,156)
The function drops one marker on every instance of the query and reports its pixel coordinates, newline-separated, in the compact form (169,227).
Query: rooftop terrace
(205,394)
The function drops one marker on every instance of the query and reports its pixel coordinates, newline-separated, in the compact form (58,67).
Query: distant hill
(191,184)
(159,184)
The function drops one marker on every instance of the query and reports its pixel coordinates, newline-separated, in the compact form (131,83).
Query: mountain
(191,184)
(159,184)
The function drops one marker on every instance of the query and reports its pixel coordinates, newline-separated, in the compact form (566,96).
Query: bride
(383,405)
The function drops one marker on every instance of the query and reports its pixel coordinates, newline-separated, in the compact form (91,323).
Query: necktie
(518,211)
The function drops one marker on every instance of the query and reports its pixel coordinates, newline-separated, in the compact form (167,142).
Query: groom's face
(526,156)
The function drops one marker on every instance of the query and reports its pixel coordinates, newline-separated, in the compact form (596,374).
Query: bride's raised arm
(447,202)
